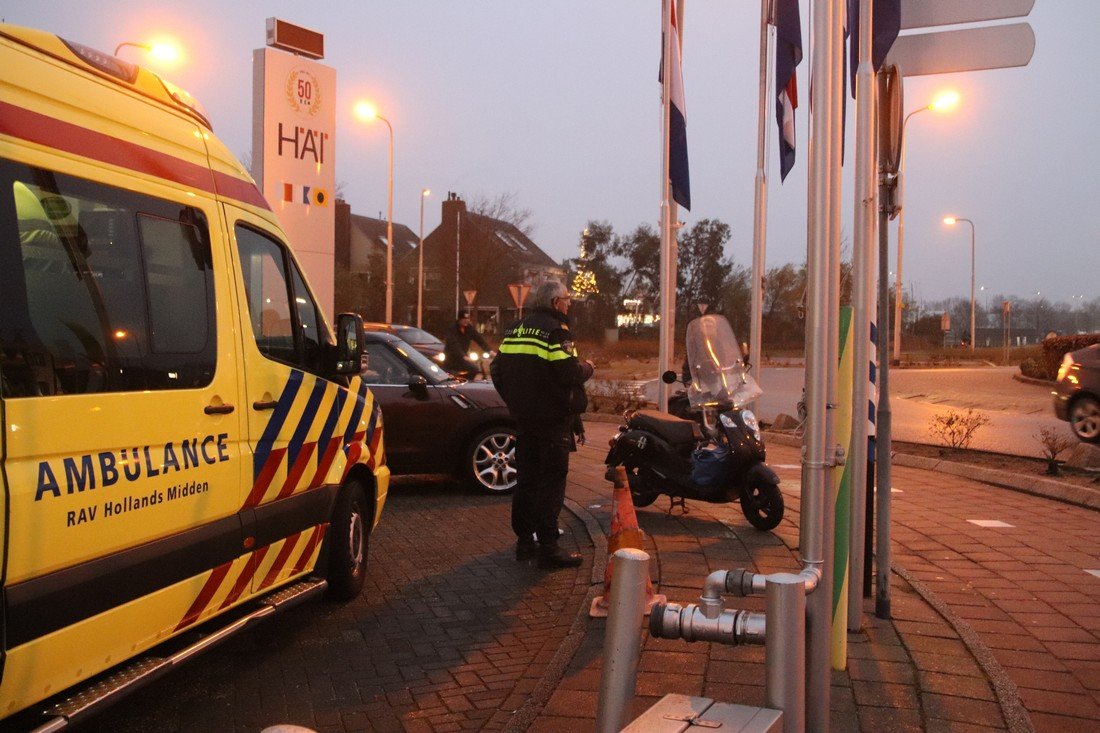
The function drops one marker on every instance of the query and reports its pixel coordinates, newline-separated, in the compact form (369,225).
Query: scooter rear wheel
(762,504)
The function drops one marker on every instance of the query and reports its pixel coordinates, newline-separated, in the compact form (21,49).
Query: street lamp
(420,277)
(943,102)
(951,221)
(367,112)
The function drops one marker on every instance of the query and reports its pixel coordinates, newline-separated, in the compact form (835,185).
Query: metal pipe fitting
(741,582)
(711,597)
(690,623)
(811,576)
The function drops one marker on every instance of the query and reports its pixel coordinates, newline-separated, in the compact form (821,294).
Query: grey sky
(558,102)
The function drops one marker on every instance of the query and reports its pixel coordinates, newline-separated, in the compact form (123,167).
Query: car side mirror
(669,377)
(418,385)
(349,344)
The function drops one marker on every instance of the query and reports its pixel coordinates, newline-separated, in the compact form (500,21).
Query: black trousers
(542,464)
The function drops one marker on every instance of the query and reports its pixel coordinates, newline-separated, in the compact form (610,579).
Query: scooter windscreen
(718,372)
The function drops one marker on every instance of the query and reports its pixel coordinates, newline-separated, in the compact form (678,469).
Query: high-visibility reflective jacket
(537,371)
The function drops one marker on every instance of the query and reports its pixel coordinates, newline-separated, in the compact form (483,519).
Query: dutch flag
(677,130)
(788,55)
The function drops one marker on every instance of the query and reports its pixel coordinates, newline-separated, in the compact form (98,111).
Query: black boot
(526,549)
(552,556)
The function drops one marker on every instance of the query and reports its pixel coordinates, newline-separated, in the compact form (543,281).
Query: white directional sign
(971,49)
(923,13)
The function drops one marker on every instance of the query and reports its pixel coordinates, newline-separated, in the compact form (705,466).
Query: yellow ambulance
(183,436)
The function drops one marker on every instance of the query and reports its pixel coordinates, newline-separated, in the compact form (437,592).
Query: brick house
(491,255)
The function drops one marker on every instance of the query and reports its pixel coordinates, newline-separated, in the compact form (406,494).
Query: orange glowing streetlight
(162,51)
(367,112)
(943,102)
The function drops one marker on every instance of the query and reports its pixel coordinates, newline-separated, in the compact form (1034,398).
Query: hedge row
(1045,366)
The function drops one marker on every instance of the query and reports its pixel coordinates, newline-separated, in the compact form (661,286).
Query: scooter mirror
(668,377)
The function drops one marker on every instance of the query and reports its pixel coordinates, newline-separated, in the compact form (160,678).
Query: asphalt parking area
(450,633)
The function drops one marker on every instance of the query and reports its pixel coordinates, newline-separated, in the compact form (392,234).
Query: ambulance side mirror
(349,343)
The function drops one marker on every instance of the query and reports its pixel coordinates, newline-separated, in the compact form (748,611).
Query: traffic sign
(922,13)
(519,292)
(469,295)
(970,49)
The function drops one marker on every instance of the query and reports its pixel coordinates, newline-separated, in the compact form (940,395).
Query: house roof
(509,236)
(404,240)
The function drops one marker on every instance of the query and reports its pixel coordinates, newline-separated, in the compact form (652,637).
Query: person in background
(456,346)
(538,374)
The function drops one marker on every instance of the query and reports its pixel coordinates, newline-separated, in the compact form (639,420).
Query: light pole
(951,220)
(943,102)
(420,271)
(368,112)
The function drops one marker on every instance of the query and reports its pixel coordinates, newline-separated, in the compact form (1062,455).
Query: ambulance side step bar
(144,670)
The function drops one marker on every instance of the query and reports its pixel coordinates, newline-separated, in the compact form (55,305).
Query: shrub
(1054,442)
(1053,349)
(955,428)
(614,397)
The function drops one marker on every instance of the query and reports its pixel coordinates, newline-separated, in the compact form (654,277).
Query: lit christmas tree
(584,282)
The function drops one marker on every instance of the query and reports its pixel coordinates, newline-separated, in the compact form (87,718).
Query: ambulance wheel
(348,535)
(762,504)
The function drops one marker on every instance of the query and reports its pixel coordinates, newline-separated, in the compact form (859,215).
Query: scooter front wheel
(762,504)
(641,493)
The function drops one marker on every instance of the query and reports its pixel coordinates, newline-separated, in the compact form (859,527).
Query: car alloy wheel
(492,460)
(1084,419)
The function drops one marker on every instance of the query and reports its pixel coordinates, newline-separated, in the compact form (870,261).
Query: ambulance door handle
(261,405)
(222,409)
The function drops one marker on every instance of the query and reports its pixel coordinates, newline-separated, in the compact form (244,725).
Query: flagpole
(863,301)
(760,207)
(666,303)
(673,207)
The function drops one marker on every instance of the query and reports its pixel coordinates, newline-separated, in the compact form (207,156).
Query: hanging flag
(788,55)
(677,114)
(886,23)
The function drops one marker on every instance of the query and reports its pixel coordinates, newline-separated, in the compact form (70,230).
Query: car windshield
(415,335)
(434,373)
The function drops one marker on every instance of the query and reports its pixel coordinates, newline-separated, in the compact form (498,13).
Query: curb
(525,715)
(1070,493)
(1081,496)
(1033,380)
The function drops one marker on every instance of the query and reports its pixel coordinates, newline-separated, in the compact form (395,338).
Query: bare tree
(503,207)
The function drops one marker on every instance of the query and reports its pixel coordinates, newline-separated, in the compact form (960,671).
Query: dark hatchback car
(1077,396)
(418,338)
(438,424)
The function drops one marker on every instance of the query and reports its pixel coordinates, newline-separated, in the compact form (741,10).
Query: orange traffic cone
(625,532)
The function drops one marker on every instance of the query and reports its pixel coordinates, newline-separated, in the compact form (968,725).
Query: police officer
(540,377)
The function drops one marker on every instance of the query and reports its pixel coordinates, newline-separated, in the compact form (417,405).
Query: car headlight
(1067,364)
(440,357)
(472,356)
(751,422)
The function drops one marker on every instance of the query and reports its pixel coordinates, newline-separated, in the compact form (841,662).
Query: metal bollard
(785,649)
(623,639)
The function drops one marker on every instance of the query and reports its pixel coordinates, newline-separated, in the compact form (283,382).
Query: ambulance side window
(285,319)
(101,289)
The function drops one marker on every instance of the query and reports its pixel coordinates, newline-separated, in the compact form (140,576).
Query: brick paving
(993,628)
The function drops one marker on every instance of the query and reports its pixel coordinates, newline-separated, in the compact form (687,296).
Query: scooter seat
(673,429)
